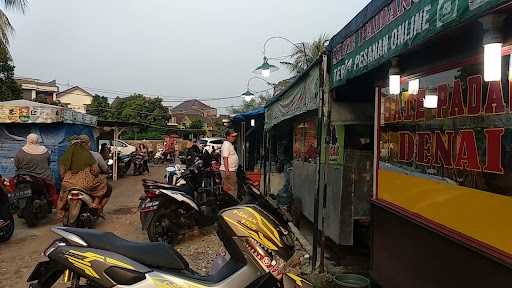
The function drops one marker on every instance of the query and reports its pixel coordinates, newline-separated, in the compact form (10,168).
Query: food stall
(438,73)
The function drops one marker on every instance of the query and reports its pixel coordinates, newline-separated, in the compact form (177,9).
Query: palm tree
(6,28)
(304,54)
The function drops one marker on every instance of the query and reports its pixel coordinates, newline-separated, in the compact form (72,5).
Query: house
(37,90)
(194,107)
(75,98)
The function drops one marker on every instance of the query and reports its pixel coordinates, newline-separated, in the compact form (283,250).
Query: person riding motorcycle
(79,169)
(33,159)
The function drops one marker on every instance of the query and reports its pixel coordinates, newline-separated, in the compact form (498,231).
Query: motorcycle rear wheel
(28,214)
(7,231)
(163,229)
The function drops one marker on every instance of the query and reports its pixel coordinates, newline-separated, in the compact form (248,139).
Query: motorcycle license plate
(22,194)
(149,205)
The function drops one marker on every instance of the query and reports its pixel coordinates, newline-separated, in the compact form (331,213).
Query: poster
(304,141)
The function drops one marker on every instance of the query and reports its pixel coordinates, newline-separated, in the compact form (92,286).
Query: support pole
(318,174)
(327,113)
(114,154)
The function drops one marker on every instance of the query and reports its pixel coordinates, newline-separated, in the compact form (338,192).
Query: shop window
(465,141)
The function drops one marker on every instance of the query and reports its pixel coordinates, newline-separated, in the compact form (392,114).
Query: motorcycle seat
(153,255)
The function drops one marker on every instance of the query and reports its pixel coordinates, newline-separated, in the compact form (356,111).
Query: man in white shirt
(229,164)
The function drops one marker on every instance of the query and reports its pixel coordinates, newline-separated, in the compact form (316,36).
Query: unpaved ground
(20,255)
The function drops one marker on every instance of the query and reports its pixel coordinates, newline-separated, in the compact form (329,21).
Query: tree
(305,54)
(140,109)
(99,107)
(6,28)
(254,103)
(9,88)
(196,124)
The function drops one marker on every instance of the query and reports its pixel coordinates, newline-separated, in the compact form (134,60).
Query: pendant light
(492,42)
(394,77)
(431,98)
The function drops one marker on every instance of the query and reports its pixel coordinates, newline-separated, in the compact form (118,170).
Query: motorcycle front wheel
(163,227)
(6,228)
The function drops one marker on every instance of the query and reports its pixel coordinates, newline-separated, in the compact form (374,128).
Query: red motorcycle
(6,218)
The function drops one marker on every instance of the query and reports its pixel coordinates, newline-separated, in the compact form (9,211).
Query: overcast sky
(175,49)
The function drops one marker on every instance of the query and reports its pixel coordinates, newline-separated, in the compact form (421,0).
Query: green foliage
(140,109)
(9,88)
(99,107)
(305,54)
(256,102)
(149,134)
(196,124)
(6,29)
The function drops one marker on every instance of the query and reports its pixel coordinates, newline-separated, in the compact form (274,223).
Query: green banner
(398,26)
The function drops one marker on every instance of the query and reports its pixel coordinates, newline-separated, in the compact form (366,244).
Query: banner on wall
(396,27)
(303,96)
(24,111)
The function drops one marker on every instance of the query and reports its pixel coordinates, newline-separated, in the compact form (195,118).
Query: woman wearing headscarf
(34,159)
(78,168)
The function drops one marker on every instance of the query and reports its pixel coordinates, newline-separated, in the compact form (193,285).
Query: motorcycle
(259,250)
(6,218)
(79,210)
(31,197)
(124,162)
(159,157)
(138,164)
(168,211)
(173,175)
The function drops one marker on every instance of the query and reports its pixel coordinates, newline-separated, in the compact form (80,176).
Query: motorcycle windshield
(253,222)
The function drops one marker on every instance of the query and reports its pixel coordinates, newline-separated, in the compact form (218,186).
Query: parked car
(123,148)
(209,143)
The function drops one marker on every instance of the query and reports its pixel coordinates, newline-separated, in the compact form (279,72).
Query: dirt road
(19,255)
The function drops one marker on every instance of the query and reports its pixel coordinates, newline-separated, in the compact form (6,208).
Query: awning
(24,111)
(386,28)
(301,96)
(253,114)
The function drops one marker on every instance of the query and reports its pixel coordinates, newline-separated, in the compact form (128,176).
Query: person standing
(229,164)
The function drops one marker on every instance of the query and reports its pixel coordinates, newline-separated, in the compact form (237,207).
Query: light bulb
(492,62)
(265,72)
(248,98)
(430,100)
(414,86)
(394,84)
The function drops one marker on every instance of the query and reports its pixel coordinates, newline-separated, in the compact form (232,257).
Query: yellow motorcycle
(258,248)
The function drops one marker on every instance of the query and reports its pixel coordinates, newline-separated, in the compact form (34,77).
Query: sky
(173,49)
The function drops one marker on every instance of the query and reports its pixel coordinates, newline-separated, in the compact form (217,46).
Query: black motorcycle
(6,218)
(31,199)
(124,162)
(168,211)
(138,164)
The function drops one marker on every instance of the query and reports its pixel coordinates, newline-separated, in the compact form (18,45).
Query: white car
(209,143)
(123,148)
